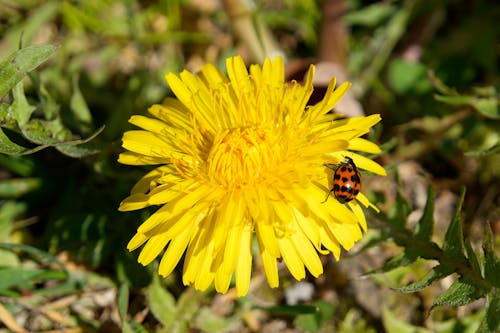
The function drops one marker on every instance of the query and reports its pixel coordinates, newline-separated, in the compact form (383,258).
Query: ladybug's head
(349,161)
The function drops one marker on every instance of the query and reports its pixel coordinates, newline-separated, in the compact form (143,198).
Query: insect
(346,181)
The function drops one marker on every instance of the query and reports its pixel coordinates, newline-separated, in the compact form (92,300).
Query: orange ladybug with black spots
(346,181)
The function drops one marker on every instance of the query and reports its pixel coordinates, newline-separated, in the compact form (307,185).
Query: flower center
(240,157)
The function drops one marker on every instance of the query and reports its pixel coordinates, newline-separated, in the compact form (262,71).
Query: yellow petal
(270,268)
(222,280)
(358,211)
(173,113)
(144,184)
(152,249)
(244,263)
(364,145)
(329,240)
(362,162)
(174,208)
(307,253)
(205,275)
(174,252)
(149,124)
(291,258)
(364,200)
(325,146)
(310,229)
(136,241)
(199,257)
(234,211)
(134,202)
(146,143)
(131,158)
(212,76)
(167,192)
(337,94)
(180,89)
(346,234)
(238,74)
(277,71)
(267,239)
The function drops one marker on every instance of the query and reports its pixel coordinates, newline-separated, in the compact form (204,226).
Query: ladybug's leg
(327,196)
(331,166)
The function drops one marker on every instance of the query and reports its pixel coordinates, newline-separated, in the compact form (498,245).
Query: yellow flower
(240,155)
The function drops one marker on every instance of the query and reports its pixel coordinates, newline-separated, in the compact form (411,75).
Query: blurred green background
(430,68)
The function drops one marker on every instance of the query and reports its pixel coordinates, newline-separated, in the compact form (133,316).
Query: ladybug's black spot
(344,179)
(347,189)
(336,187)
(343,168)
(336,176)
(355,192)
(355,178)
(343,198)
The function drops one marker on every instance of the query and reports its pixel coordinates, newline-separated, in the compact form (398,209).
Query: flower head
(243,155)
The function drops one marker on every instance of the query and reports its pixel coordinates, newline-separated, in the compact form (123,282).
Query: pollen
(240,157)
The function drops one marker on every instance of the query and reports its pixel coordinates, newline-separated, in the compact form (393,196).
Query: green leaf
(394,325)
(408,76)
(77,18)
(491,320)
(472,258)
(461,292)
(188,306)
(312,322)
(40,132)
(399,211)
(455,99)
(9,211)
(126,327)
(440,86)
(487,106)
(20,110)
(209,321)
(436,273)
(29,27)
(16,187)
(78,151)
(403,259)
(21,62)
(135,327)
(8,147)
(4,114)
(50,107)
(123,300)
(488,151)
(161,302)
(37,254)
(425,225)
(21,166)
(490,260)
(453,241)
(80,109)
(24,278)
(370,16)
(81,148)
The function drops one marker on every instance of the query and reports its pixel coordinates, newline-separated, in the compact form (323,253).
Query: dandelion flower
(243,156)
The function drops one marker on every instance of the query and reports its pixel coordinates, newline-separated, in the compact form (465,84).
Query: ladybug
(346,181)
